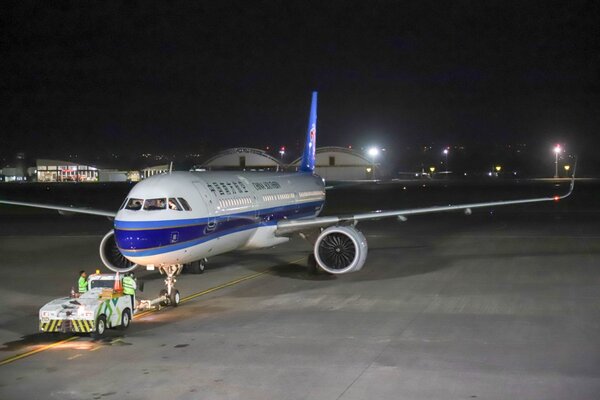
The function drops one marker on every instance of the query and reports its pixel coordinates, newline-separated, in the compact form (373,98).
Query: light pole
(557,150)
(446,151)
(567,168)
(373,152)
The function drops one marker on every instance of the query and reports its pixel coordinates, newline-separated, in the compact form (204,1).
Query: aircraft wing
(63,209)
(290,226)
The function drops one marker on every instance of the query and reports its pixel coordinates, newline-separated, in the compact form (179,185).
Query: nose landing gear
(170,294)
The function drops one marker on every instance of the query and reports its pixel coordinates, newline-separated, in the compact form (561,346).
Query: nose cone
(135,236)
(132,240)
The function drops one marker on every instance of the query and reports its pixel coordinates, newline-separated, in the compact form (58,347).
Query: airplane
(179,219)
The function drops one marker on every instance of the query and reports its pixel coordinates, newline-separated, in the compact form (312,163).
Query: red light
(556,198)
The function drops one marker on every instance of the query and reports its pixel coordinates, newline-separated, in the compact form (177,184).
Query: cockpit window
(134,204)
(155,204)
(185,204)
(123,204)
(174,205)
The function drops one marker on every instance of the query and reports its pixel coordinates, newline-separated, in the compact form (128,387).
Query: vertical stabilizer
(308,156)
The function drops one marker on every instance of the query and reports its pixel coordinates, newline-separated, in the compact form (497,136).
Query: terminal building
(243,159)
(341,164)
(65,171)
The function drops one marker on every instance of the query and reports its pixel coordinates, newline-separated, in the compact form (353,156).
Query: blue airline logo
(308,156)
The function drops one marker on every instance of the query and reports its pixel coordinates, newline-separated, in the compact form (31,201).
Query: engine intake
(341,249)
(112,257)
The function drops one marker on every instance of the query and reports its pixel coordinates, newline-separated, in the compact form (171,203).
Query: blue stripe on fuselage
(143,238)
(159,224)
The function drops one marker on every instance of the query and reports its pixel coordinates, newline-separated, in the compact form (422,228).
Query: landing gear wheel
(196,267)
(171,294)
(125,319)
(201,266)
(163,292)
(100,326)
(174,298)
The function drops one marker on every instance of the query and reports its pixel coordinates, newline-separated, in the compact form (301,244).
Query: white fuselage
(203,214)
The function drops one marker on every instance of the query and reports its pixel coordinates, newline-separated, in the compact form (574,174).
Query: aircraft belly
(264,237)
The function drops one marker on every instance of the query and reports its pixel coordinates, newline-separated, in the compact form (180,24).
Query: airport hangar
(332,163)
(245,159)
(341,164)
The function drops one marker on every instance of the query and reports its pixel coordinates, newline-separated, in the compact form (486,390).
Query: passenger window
(134,204)
(174,205)
(216,184)
(155,204)
(224,186)
(243,186)
(185,204)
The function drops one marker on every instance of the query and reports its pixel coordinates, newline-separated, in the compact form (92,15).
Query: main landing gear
(170,294)
(195,267)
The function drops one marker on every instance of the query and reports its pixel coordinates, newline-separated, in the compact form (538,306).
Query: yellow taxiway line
(38,350)
(141,315)
(223,286)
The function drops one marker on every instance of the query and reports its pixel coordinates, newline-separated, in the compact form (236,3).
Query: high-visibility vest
(82,283)
(128,285)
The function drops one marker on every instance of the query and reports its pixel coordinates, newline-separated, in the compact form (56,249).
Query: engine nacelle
(341,249)
(112,257)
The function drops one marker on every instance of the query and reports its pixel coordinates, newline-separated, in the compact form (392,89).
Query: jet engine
(112,257)
(341,249)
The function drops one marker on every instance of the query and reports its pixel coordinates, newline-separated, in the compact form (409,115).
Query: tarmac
(496,305)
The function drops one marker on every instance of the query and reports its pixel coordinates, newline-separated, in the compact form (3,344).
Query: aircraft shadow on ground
(397,269)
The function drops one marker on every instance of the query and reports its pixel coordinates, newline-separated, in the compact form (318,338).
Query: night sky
(88,77)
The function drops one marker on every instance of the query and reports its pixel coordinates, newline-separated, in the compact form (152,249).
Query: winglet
(308,156)
(572,185)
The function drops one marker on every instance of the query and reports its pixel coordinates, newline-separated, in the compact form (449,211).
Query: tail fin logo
(308,156)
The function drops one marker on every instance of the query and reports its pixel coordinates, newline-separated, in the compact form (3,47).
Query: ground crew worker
(129,287)
(82,282)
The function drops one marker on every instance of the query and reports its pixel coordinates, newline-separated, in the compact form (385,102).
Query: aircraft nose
(136,239)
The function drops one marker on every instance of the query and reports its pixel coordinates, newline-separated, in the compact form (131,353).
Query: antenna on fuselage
(170,167)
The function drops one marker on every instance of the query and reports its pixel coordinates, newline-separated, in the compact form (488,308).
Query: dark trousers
(132,302)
